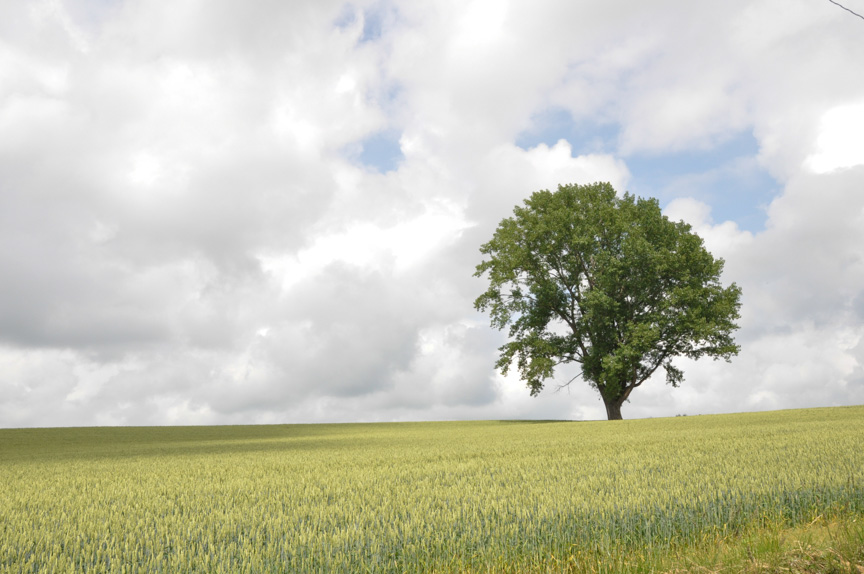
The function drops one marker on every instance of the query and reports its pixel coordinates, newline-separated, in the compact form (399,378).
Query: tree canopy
(582,275)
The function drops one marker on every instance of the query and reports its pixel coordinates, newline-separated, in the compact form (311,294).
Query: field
(490,496)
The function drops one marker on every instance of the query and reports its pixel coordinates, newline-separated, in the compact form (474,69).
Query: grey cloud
(54,293)
(808,262)
(457,372)
(343,333)
(361,327)
(473,385)
(856,305)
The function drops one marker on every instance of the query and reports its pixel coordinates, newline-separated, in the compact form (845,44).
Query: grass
(725,493)
(829,547)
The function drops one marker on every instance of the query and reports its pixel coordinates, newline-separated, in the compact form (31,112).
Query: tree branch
(567,384)
(651,371)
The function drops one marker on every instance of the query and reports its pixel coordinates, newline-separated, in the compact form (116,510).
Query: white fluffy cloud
(840,143)
(188,235)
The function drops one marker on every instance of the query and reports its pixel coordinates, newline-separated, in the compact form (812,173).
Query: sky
(231,212)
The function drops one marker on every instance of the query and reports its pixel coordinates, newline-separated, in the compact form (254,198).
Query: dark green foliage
(582,275)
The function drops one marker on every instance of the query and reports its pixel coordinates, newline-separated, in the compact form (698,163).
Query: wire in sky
(847,9)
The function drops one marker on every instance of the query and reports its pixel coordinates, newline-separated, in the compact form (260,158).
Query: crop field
(486,496)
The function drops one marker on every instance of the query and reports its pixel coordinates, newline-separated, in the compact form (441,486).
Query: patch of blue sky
(346,17)
(389,98)
(91,14)
(373,24)
(381,151)
(554,124)
(726,176)
(373,21)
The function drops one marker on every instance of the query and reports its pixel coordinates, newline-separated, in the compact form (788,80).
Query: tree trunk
(613,410)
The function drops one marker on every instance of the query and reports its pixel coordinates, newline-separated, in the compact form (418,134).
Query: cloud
(195,227)
(841,139)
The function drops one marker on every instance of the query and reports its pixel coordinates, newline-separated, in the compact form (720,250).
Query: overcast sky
(229,212)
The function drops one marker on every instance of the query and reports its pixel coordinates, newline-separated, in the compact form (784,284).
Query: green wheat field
(484,496)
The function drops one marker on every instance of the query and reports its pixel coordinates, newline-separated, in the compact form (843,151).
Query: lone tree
(582,275)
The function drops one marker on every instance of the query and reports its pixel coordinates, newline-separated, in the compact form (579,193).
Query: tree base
(613,412)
